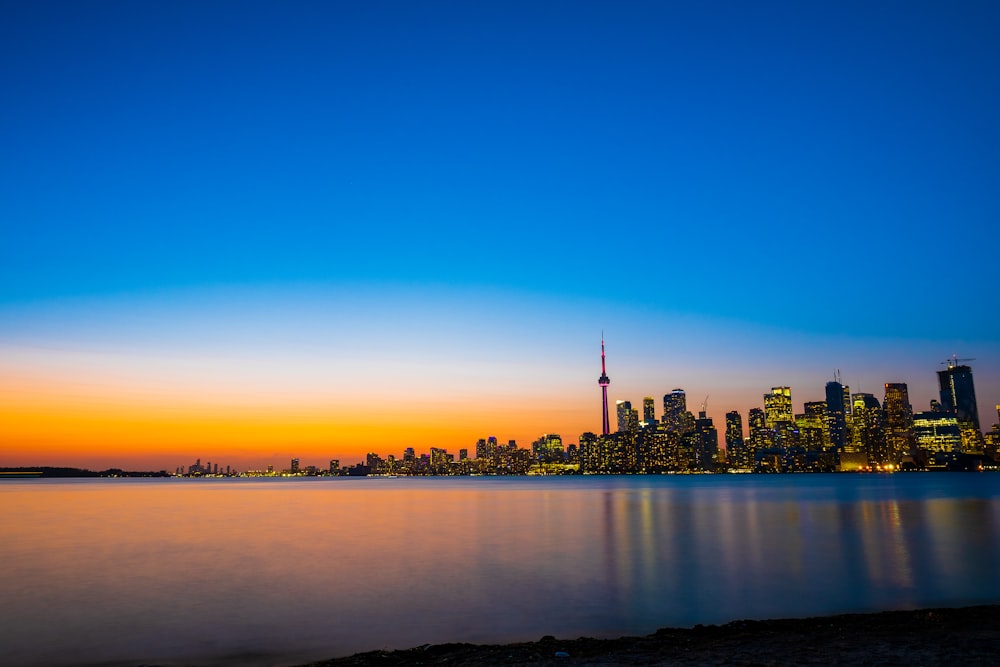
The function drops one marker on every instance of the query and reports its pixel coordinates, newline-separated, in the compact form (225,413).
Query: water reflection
(154,570)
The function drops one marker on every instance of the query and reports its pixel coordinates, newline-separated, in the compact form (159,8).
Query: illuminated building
(760,434)
(992,439)
(674,407)
(778,406)
(486,448)
(898,420)
(548,448)
(295,466)
(735,446)
(648,412)
(590,453)
(958,394)
(869,429)
(813,426)
(781,421)
(604,381)
(334,466)
(628,418)
(937,431)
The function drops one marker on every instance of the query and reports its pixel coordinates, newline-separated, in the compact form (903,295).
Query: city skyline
(251,232)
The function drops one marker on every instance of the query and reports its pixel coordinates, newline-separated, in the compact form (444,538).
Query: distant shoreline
(939,636)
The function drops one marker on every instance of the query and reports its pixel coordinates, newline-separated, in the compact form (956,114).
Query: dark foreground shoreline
(963,636)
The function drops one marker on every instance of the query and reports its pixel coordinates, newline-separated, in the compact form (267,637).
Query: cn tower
(604,381)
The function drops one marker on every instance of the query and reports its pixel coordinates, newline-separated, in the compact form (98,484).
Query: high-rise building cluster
(847,432)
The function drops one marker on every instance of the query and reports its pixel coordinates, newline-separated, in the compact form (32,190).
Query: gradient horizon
(243,232)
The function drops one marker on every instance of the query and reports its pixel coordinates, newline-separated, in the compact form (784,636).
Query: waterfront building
(295,466)
(648,412)
(814,427)
(898,420)
(706,442)
(760,434)
(590,453)
(736,451)
(548,448)
(628,417)
(778,406)
(958,394)
(869,429)
(937,431)
(674,407)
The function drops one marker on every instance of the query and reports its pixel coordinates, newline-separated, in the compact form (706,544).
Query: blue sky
(822,176)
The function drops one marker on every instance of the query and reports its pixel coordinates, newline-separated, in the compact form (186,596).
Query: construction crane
(951,363)
(704,407)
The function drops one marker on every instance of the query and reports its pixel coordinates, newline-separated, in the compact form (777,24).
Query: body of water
(277,571)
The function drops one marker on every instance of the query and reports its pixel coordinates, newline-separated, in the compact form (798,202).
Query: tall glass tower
(958,394)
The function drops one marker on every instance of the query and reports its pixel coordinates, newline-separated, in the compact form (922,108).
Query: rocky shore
(963,636)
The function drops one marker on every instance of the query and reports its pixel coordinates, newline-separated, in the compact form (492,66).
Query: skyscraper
(898,420)
(837,410)
(604,381)
(735,448)
(814,427)
(760,434)
(628,417)
(958,394)
(869,429)
(707,442)
(648,411)
(778,406)
(936,431)
(674,407)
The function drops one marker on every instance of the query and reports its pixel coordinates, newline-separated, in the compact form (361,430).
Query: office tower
(937,431)
(869,429)
(463,454)
(623,408)
(778,406)
(760,434)
(781,421)
(706,438)
(837,410)
(604,381)
(590,453)
(674,407)
(334,466)
(958,394)
(814,427)
(735,446)
(898,420)
(548,448)
(992,439)
(648,412)
(628,417)
(295,466)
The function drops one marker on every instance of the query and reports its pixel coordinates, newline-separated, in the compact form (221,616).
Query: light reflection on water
(160,570)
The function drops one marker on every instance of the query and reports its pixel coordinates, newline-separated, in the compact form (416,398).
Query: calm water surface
(278,571)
